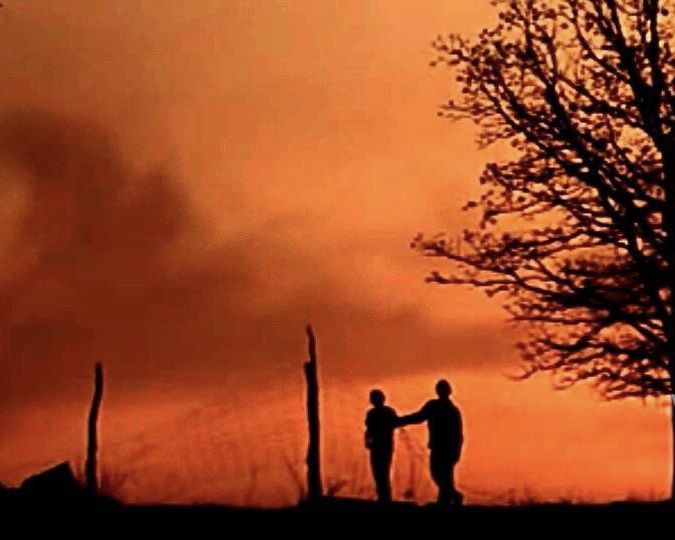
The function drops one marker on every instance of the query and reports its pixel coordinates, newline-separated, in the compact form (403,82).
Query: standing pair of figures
(444,422)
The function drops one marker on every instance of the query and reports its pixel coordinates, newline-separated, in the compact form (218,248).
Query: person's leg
(386,476)
(374,467)
(457,496)
(440,473)
(380,461)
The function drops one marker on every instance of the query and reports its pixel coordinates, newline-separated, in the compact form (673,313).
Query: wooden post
(92,435)
(314,487)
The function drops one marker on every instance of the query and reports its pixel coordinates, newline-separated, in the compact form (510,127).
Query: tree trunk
(669,324)
(672,450)
(92,435)
(314,487)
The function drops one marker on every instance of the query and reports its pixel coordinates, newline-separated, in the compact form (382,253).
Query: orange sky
(187,184)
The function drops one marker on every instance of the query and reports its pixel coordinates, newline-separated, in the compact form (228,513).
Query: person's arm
(414,418)
(459,434)
(367,438)
(460,429)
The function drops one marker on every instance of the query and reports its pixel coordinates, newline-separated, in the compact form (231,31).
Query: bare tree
(577,230)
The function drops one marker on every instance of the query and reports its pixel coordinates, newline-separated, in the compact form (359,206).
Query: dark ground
(342,517)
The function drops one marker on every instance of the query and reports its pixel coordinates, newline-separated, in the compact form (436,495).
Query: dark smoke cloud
(95,275)
(110,263)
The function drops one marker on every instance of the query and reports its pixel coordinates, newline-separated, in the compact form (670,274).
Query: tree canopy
(577,230)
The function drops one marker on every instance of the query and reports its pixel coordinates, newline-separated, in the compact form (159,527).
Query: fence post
(92,435)
(314,487)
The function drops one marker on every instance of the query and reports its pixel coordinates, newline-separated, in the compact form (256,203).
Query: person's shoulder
(430,404)
(390,410)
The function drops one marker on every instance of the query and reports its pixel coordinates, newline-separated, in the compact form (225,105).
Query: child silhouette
(381,421)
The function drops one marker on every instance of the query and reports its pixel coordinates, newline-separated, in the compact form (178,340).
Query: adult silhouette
(381,421)
(444,422)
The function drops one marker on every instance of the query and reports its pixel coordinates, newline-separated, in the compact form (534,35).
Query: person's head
(377,397)
(443,389)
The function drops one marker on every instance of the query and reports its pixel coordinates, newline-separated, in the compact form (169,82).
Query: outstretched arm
(414,418)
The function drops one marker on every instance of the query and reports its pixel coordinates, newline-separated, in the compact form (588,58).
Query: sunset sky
(186,184)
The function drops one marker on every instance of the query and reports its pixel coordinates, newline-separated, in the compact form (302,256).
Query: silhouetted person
(381,421)
(445,440)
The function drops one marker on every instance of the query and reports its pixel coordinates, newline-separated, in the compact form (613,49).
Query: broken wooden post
(314,487)
(91,478)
